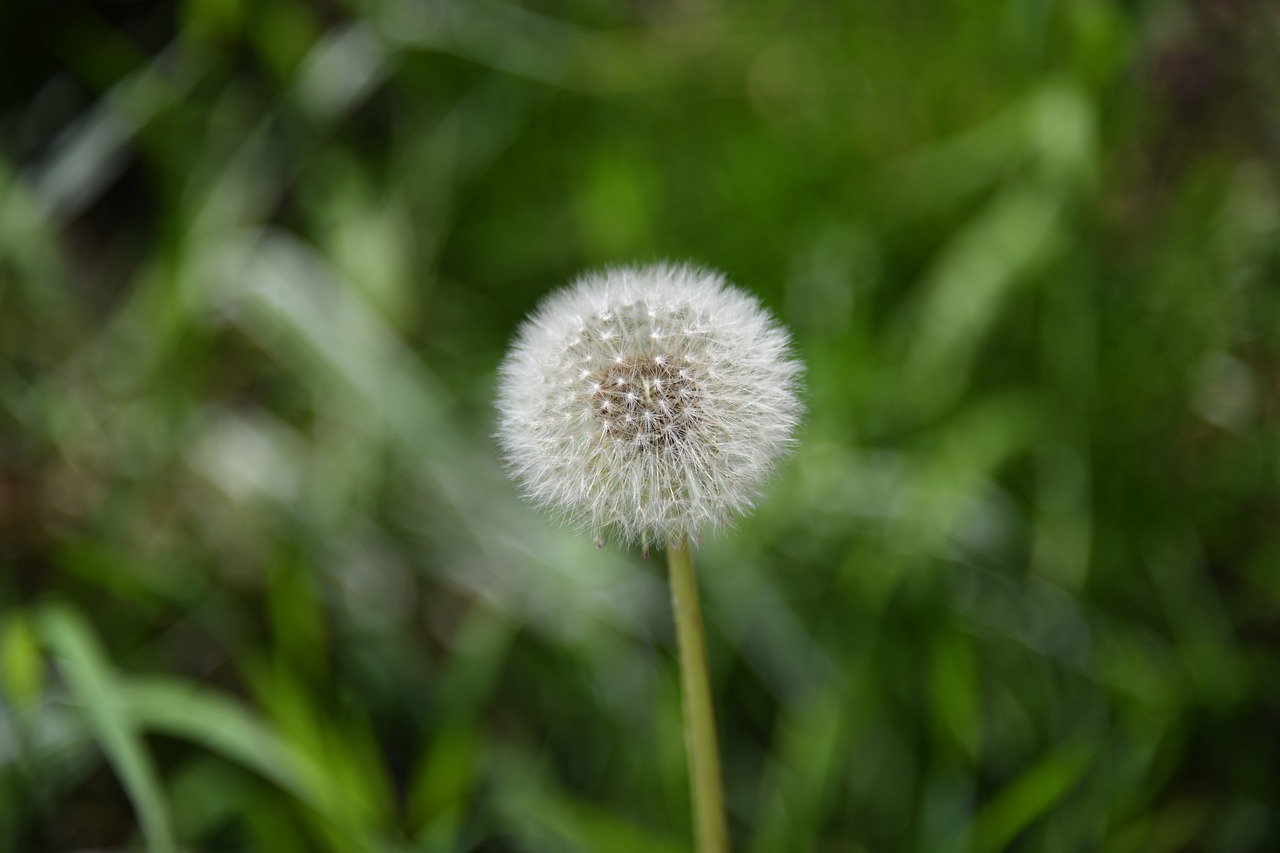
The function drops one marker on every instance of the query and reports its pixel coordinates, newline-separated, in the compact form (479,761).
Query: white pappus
(648,403)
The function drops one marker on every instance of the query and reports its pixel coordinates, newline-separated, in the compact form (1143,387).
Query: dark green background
(264,586)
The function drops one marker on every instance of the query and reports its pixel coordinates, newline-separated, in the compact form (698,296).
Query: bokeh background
(263,585)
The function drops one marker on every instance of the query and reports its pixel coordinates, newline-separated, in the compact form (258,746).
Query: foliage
(264,585)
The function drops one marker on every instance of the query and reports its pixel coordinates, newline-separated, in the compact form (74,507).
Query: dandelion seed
(687,404)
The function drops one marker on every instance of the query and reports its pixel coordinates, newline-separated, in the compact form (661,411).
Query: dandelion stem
(700,720)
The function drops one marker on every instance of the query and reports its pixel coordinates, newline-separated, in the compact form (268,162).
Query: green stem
(700,719)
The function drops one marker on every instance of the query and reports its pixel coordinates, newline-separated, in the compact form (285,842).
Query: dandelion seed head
(648,404)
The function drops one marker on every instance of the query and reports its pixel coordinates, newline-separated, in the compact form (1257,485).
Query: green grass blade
(1031,796)
(543,816)
(224,727)
(93,685)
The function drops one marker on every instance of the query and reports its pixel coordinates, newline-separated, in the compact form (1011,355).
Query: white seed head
(648,403)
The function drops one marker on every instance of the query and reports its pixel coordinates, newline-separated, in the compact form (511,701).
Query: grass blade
(1031,796)
(92,683)
(226,728)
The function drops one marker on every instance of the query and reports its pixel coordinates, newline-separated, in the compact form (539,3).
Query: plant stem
(699,715)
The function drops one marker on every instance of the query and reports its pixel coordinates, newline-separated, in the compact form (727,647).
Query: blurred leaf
(344,66)
(970,283)
(213,20)
(1032,795)
(21,665)
(258,263)
(957,694)
(800,786)
(283,31)
(445,784)
(542,814)
(222,726)
(99,696)
(299,631)
(1175,827)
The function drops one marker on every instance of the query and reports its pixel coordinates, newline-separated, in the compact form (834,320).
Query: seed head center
(646,401)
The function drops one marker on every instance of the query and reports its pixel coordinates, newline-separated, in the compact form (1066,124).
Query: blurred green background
(263,585)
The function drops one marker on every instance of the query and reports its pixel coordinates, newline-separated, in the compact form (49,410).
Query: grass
(263,584)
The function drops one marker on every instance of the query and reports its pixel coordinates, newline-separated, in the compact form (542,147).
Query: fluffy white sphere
(648,403)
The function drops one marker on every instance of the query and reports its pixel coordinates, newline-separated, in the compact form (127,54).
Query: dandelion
(648,403)
(651,403)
